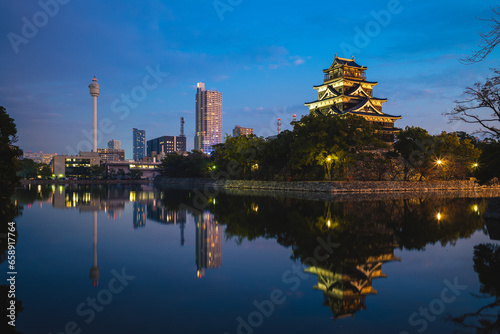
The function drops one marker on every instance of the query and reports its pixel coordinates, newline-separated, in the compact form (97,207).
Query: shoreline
(23,182)
(342,190)
(329,186)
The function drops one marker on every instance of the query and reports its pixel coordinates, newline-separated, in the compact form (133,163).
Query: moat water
(136,259)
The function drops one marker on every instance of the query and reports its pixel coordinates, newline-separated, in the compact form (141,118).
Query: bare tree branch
(481,105)
(488,41)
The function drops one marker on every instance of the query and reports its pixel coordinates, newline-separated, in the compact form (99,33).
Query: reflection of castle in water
(345,286)
(208,243)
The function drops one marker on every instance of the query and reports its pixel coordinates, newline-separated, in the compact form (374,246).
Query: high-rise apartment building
(139,143)
(114,144)
(239,131)
(208,119)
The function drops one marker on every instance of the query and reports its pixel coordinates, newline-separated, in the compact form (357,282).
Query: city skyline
(265,65)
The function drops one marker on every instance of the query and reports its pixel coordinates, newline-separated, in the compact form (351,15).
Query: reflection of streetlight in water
(94,271)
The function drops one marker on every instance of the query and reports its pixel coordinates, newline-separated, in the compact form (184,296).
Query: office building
(77,166)
(114,144)
(111,154)
(139,143)
(239,131)
(161,146)
(208,119)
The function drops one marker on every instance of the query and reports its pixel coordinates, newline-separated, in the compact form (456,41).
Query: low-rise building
(148,169)
(111,154)
(39,157)
(77,166)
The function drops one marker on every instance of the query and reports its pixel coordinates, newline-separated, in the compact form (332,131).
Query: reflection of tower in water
(139,215)
(208,243)
(94,271)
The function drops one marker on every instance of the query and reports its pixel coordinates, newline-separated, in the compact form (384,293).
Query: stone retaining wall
(330,187)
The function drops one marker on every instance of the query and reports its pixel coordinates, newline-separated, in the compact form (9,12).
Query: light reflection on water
(246,264)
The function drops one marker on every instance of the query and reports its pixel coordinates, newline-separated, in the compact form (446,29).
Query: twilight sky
(264,56)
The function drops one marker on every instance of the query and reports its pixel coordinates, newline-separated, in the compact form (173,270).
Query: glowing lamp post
(440,164)
(328,164)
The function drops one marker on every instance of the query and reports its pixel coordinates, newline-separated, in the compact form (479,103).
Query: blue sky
(264,56)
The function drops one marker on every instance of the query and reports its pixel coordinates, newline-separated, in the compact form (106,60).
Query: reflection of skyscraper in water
(94,271)
(139,215)
(208,243)
(157,212)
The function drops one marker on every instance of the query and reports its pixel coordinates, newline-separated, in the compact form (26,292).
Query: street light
(440,163)
(328,165)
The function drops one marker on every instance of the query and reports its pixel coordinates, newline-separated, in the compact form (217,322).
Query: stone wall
(351,186)
(330,187)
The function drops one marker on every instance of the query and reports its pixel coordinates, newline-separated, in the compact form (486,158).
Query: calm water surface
(123,259)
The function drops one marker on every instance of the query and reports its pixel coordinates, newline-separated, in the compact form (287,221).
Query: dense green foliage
(318,148)
(445,156)
(9,155)
(28,169)
(8,152)
(194,164)
(488,171)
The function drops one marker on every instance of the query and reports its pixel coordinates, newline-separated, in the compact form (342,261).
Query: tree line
(341,148)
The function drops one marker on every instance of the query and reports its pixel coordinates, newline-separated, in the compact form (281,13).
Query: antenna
(294,119)
(279,125)
(182,127)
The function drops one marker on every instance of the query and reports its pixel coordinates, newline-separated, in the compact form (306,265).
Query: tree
(27,169)
(239,156)
(487,266)
(97,171)
(458,156)
(341,138)
(135,174)
(481,105)
(8,152)
(488,161)
(44,171)
(488,41)
(441,156)
(194,164)
(415,145)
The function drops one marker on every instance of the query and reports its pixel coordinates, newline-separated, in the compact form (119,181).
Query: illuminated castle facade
(346,90)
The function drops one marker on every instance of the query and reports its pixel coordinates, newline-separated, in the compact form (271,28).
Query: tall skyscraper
(114,144)
(208,119)
(139,143)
